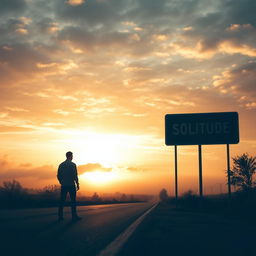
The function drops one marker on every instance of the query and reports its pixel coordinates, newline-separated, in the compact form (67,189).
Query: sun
(106,149)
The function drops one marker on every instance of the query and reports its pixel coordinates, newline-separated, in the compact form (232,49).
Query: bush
(163,195)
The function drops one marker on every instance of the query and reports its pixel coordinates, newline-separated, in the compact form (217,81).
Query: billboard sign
(202,128)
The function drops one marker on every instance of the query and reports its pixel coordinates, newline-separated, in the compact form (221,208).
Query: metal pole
(228,169)
(176,172)
(200,170)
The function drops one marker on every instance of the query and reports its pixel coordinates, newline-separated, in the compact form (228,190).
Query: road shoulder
(113,248)
(170,231)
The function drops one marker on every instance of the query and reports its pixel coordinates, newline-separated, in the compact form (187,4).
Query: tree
(12,194)
(95,197)
(50,192)
(188,194)
(12,189)
(244,167)
(163,195)
(123,197)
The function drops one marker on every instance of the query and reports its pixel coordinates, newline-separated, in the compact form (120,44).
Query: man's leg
(63,195)
(72,193)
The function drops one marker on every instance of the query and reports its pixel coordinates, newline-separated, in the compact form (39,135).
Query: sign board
(202,128)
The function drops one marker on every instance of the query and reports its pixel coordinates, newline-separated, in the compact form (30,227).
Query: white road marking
(114,247)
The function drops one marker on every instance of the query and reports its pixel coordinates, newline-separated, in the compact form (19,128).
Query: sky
(97,77)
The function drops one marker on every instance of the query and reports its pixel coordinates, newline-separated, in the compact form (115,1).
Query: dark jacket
(67,173)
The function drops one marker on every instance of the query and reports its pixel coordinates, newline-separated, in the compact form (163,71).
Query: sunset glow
(106,149)
(100,178)
(97,78)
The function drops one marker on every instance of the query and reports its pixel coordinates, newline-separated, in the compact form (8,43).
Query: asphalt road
(37,232)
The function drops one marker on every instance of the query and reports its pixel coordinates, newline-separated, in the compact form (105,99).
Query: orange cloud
(238,27)
(11,170)
(90,167)
(231,47)
(240,82)
(200,51)
(194,52)
(75,2)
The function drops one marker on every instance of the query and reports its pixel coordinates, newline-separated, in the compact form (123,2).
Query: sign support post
(228,170)
(176,172)
(201,129)
(200,170)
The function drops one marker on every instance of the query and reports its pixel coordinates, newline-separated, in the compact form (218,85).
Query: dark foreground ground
(36,232)
(172,231)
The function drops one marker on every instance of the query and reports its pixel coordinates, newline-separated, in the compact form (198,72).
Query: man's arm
(76,179)
(59,174)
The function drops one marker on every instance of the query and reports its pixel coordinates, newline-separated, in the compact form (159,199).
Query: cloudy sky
(97,77)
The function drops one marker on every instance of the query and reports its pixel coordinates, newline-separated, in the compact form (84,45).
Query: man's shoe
(76,218)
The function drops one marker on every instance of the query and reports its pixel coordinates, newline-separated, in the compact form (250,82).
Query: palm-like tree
(244,167)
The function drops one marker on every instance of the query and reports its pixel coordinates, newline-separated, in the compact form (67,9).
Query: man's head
(69,155)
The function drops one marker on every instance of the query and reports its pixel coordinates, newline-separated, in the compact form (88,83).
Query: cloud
(231,47)
(5,129)
(11,170)
(240,11)
(90,167)
(75,2)
(202,50)
(26,171)
(61,112)
(15,109)
(3,162)
(20,58)
(239,27)
(221,29)
(134,169)
(92,13)
(240,82)
(13,6)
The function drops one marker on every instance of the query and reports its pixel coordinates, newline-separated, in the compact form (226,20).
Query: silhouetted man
(67,176)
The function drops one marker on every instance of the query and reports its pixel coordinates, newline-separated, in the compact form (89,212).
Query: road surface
(37,231)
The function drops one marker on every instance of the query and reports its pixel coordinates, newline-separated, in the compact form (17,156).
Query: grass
(214,226)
